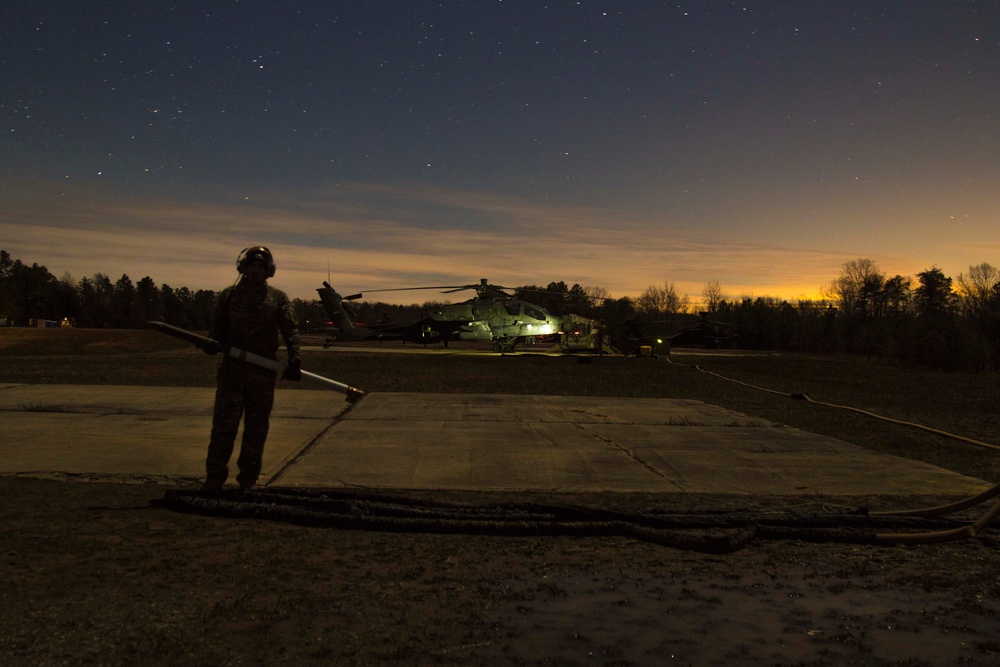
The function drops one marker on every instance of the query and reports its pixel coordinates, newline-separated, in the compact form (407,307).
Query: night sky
(616,144)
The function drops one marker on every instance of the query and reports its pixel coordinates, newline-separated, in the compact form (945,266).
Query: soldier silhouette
(249,315)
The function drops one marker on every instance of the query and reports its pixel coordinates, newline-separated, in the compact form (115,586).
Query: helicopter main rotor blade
(409,289)
(482,287)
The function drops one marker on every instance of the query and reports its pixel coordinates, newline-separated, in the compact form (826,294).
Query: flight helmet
(256,254)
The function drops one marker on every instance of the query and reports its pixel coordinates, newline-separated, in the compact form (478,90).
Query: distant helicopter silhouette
(694,331)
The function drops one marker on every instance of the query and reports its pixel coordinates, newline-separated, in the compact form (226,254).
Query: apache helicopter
(698,332)
(706,333)
(492,315)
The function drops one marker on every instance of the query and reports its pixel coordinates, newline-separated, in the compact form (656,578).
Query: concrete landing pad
(563,443)
(452,441)
(141,431)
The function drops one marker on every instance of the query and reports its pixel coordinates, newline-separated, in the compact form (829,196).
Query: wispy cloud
(374,236)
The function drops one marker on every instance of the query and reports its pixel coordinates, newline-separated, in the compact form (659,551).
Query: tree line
(928,320)
(31,294)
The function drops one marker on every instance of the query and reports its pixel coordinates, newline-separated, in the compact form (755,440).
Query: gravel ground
(97,574)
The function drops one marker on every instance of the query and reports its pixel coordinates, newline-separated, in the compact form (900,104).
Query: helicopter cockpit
(533,312)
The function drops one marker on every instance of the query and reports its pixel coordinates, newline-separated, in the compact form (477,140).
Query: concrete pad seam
(99,410)
(284,464)
(631,454)
(117,478)
(608,419)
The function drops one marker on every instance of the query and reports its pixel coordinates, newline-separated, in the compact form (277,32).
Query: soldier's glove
(293,371)
(211,348)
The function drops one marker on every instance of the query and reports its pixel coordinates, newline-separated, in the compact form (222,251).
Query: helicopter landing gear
(505,345)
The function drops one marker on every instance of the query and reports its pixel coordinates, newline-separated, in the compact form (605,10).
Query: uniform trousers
(243,391)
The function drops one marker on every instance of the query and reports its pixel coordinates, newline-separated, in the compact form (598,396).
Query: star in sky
(810,130)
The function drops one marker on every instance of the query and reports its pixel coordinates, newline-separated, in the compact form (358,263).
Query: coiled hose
(959,533)
(709,532)
(714,532)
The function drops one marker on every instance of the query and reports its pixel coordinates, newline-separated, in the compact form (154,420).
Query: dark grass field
(95,574)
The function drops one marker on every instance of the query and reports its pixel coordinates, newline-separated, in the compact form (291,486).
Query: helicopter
(698,332)
(706,333)
(344,327)
(492,315)
(637,341)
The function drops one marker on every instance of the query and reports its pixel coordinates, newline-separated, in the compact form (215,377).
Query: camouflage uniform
(248,317)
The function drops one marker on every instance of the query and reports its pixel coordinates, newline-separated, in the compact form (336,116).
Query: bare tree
(662,300)
(713,296)
(597,294)
(974,290)
(596,297)
(858,289)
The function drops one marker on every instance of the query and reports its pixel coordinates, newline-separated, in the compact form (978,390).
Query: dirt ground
(95,573)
